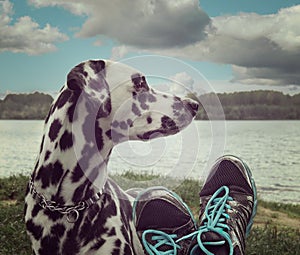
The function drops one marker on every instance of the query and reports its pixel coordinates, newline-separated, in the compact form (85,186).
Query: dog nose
(192,105)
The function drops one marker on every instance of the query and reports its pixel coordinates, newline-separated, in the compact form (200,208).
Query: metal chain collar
(71,211)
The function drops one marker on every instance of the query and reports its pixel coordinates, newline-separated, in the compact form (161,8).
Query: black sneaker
(161,219)
(228,204)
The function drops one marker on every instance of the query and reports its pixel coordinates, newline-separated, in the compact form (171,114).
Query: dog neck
(72,164)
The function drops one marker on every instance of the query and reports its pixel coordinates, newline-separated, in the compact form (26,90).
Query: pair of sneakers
(228,202)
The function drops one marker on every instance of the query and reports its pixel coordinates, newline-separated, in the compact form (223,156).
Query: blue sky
(236,45)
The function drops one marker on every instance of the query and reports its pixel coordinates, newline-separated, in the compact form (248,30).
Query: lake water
(271,149)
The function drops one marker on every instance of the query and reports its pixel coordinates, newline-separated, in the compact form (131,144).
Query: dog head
(123,105)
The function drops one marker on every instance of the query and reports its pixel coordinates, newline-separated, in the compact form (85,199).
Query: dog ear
(98,84)
(76,78)
(88,80)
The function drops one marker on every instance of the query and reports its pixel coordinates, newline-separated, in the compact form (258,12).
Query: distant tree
(25,106)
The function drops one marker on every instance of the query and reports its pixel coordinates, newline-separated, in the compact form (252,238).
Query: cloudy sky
(239,45)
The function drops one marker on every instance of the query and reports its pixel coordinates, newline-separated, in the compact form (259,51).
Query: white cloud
(25,35)
(263,49)
(119,52)
(181,84)
(144,24)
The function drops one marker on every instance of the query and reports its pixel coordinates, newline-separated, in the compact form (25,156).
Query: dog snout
(191,105)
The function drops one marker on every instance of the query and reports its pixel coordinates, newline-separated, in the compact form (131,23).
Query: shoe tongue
(215,243)
(212,237)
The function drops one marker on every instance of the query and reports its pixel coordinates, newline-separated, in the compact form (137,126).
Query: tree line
(250,105)
(25,106)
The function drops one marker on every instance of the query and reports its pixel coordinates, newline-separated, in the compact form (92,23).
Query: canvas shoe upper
(161,219)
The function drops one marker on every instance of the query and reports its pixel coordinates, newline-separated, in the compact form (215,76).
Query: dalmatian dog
(71,205)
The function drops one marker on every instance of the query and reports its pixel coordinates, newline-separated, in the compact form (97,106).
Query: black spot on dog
(99,137)
(124,232)
(54,129)
(71,113)
(114,135)
(58,229)
(142,98)
(79,193)
(50,173)
(44,174)
(99,243)
(58,199)
(153,92)
(115,124)
(135,110)
(93,230)
(149,120)
(76,78)
(93,174)
(36,209)
(136,79)
(47,155)
(139,82)
(62,99)
(66,141)
(93,212)
(53,215)
(49,245)
(57,172)
(167,123)
(35,230)
(97,65)
(116,250)
(71,244)
(36,165)
(83,191)
(151,98)
(108,134)
(42,143)
(77,173)
(48,116)
(127,249)
(129,122)
(123,125)
(105,108)
(112,232)
(88,128)
(25,205)
(144,106)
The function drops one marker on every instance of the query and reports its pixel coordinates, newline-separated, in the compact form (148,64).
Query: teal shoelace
(161,239)
(214,221)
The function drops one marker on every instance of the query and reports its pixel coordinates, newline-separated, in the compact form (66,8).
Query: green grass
(268,239)
(271,240)
(293,210)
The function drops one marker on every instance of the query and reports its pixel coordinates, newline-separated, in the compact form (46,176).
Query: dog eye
(140,83)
